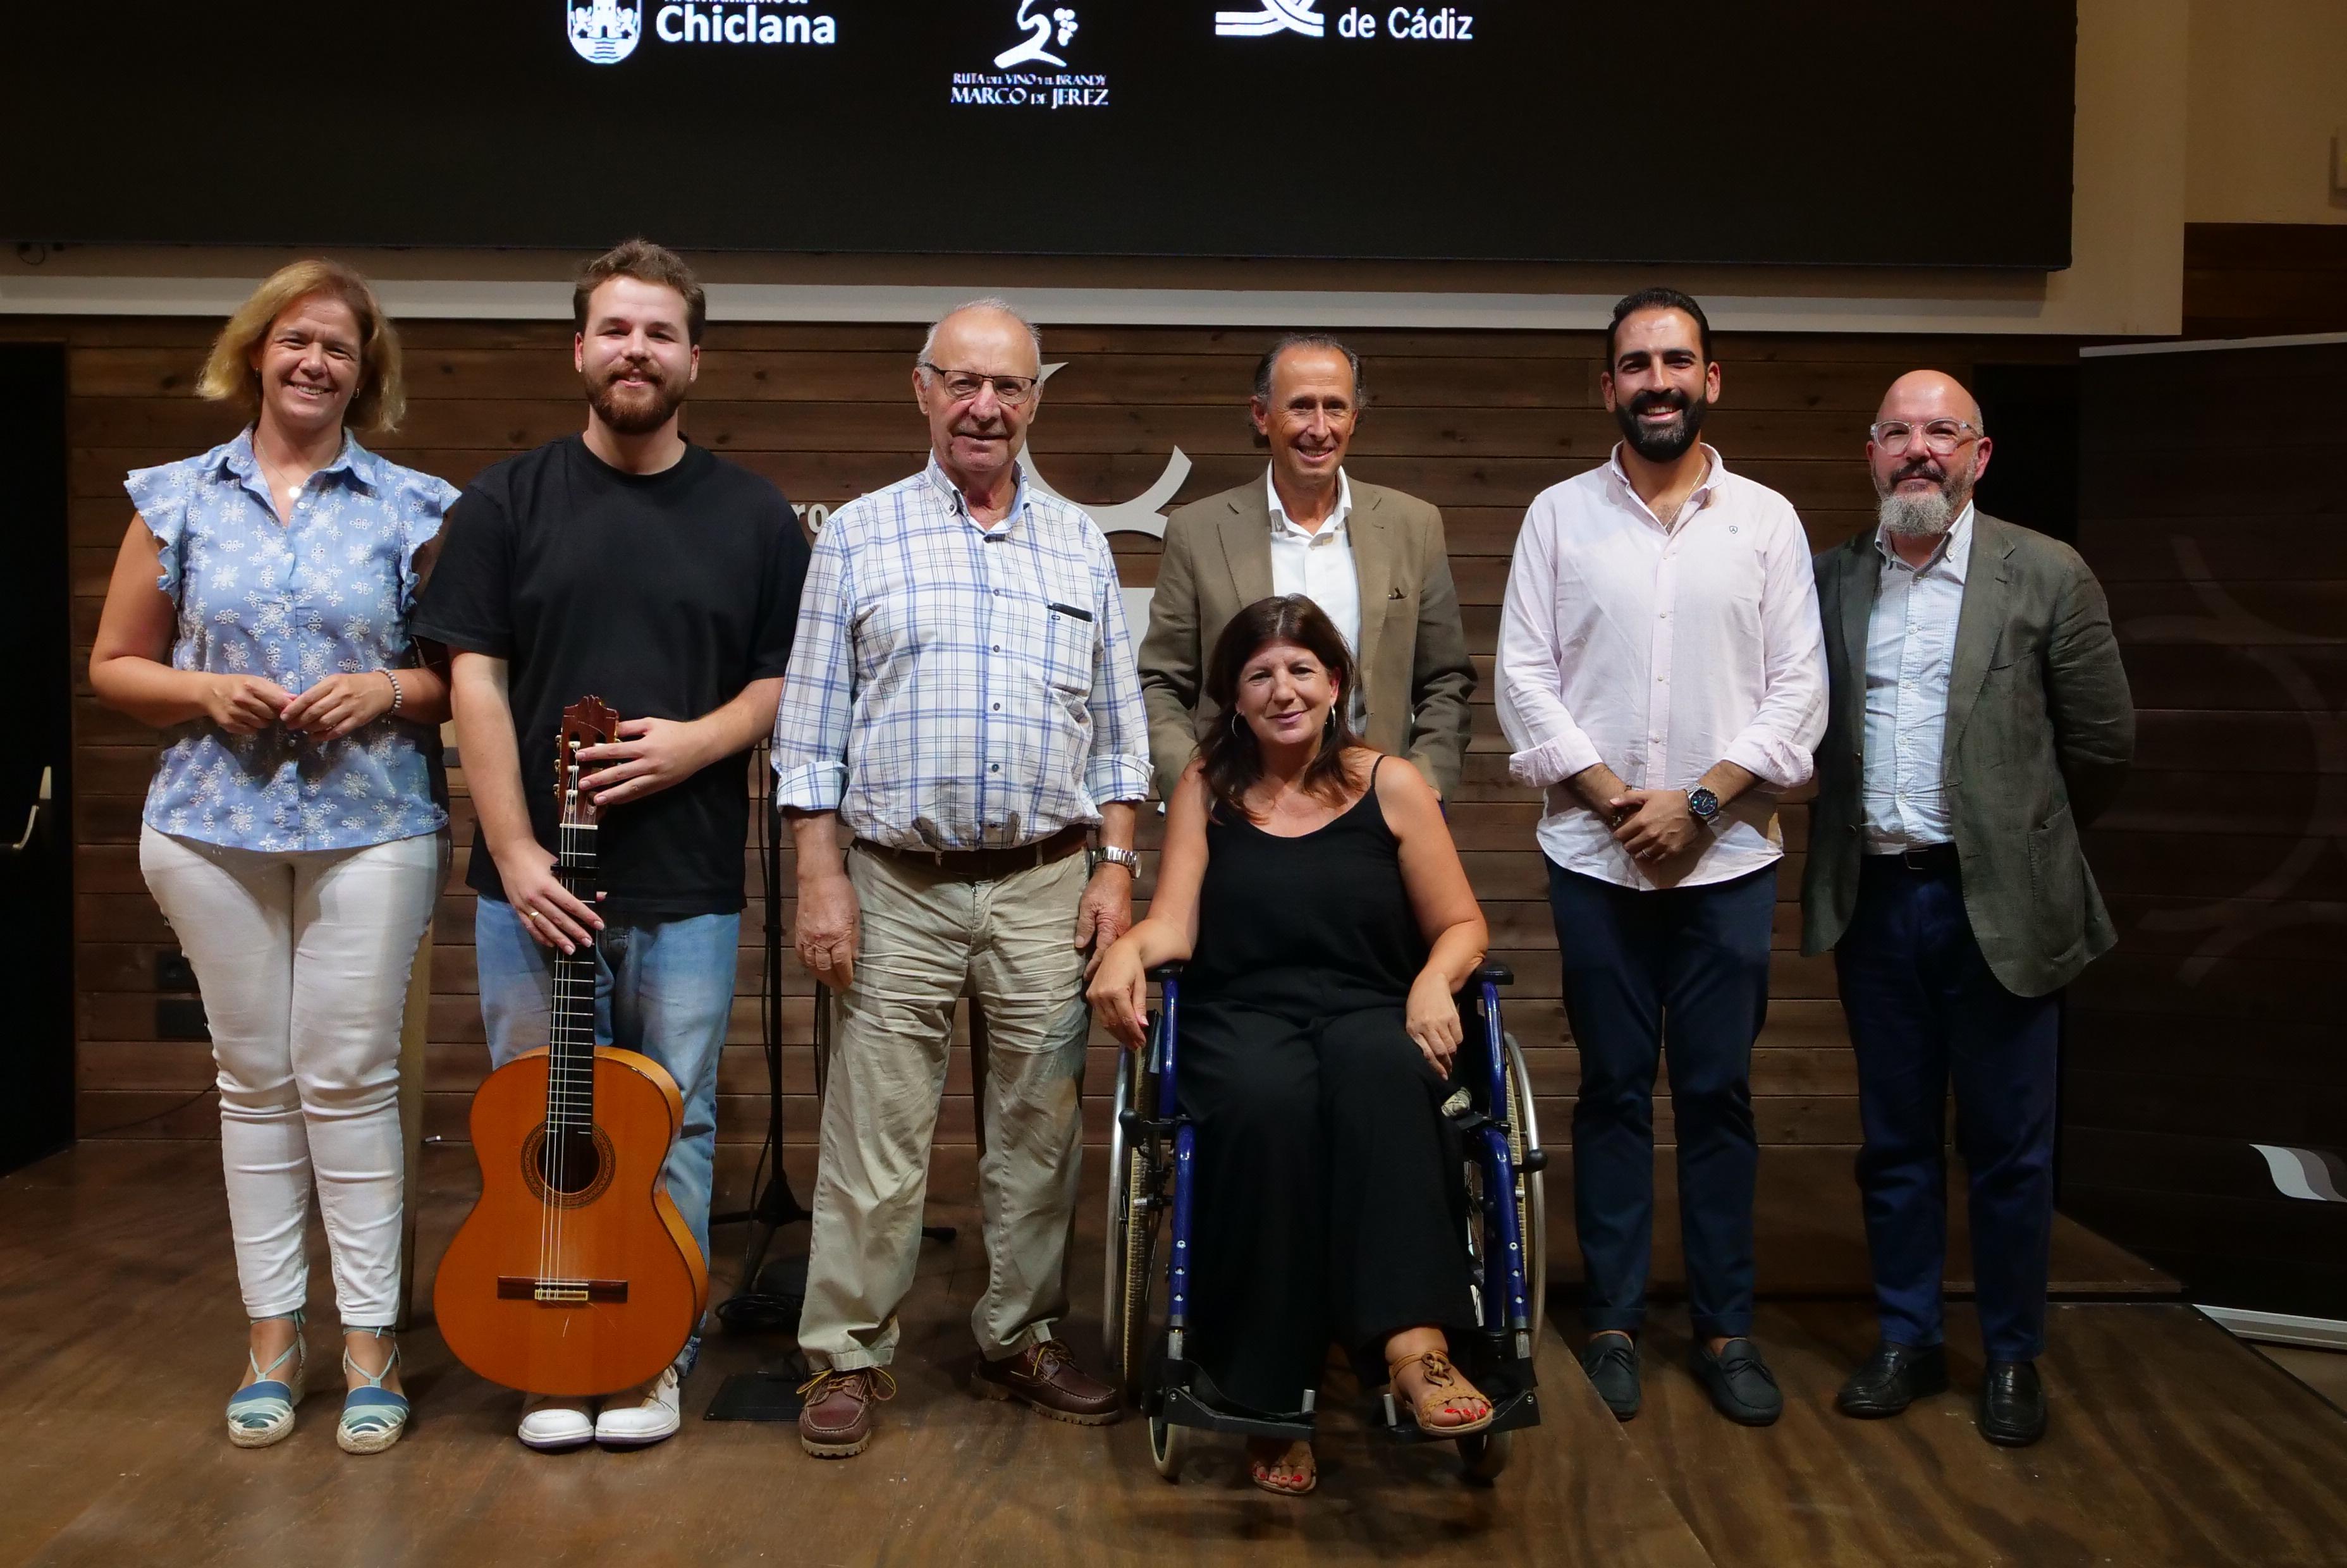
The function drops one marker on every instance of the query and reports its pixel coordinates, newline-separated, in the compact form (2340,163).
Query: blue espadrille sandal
(261,1412)
(373,1417)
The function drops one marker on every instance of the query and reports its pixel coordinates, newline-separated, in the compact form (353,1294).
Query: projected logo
(1275,16)
(606,31)
(1036,48)
(1033,73)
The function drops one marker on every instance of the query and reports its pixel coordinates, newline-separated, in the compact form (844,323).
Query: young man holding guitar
(631,565)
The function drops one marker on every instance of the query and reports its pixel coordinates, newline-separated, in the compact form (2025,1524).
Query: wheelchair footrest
(1179,1407)
(1509,1412)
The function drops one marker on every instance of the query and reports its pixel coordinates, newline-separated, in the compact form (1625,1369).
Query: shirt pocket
(1067,630)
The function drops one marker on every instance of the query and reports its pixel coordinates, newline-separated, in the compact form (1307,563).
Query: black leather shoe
(2012,1404)
(1739,1382)
(1611,1363)
(1894,1378)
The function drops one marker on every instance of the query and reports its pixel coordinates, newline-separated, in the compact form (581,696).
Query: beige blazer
(1416,676)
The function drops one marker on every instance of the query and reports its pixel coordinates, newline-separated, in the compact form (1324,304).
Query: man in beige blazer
(1373,559)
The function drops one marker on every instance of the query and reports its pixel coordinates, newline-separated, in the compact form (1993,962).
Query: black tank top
(1306,927)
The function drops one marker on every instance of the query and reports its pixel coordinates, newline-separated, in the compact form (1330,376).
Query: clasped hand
(245,704)
(1653,824)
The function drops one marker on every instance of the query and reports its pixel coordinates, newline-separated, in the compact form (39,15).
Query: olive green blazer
(1416,676)
(2041,730)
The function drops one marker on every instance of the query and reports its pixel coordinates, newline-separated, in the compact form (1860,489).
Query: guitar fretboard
(571,1066)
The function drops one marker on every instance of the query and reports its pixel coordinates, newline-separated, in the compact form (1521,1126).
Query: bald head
(979,381)
(1927,451)
(1921,396)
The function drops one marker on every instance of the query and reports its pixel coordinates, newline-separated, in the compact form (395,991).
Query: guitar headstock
(589,721)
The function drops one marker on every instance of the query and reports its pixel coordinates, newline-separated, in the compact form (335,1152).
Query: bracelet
(397,696)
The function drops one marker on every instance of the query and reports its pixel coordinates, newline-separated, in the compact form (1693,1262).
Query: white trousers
(303,962)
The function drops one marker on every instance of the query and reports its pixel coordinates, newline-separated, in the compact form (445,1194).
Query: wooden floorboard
(119,1336)
(2170,1443)
(120,1333)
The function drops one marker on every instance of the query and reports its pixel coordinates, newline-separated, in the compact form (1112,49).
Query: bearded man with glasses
(961,716)
(1979,719)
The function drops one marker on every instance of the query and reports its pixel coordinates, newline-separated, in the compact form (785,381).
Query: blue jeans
(1686,967)
(664,988)
(1925,1009)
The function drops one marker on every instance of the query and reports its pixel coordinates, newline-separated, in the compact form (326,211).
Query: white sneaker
(635,1419)
(550,1425)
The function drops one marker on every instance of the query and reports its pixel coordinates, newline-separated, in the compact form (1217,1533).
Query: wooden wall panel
(1475,422)
(2216,1027)
(2264,280)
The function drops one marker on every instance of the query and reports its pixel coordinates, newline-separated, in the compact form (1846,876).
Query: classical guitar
(574,1275)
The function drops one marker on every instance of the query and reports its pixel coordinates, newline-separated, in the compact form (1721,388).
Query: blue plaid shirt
(956,686)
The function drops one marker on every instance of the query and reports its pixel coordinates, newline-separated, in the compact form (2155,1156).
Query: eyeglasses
(1941,436)
(961,385)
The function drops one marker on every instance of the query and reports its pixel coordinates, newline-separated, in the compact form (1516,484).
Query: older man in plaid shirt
(962,710)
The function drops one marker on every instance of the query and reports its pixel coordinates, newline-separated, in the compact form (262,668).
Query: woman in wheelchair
(1310,885)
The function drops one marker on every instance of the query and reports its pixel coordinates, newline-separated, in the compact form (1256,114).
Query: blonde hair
(228,376)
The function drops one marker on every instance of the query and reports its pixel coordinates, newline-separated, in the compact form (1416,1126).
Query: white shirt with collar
(1319,563)
(1910,650)
(1660,648)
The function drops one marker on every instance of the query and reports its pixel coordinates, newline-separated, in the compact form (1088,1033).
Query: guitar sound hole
(568,1162)
(569,1170)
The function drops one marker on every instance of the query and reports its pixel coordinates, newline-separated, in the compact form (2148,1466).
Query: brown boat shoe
(836,1422)
(1045,1376)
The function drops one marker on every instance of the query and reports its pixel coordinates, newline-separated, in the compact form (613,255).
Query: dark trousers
(1686,968)
(1924,1007)
(1328,1197)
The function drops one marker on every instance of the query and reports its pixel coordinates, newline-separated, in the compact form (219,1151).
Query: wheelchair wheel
(1169,1445)
(1531,1194)
(1132,1219)
(1486,1454)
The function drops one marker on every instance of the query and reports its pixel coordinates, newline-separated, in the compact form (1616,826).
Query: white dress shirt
(1910,648)
(1661,648)
(1318,564)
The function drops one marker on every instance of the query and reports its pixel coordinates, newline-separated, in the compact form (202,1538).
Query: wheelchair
(1146,1314)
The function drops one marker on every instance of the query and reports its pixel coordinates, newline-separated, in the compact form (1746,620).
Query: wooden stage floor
(2172,1443)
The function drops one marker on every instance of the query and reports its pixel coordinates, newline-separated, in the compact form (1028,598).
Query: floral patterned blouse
(295,602)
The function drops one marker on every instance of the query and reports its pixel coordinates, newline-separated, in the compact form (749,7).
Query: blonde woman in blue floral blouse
(293,832)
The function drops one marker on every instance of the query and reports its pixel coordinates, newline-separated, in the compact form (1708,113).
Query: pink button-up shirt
(1661,648)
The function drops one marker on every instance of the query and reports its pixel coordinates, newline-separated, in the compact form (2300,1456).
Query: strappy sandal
(374,1417)
(1447,1388)
(1288,1475)
(261,1412)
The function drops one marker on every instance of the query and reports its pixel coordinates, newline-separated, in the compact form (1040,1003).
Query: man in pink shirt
(1662,677)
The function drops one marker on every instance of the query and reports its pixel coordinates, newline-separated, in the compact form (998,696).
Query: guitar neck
(570,1069)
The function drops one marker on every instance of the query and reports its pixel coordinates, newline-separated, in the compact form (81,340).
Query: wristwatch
(1702,804)
(1127,858)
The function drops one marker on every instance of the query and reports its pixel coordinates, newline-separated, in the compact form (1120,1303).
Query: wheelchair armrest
(1164,972)
(1498,974)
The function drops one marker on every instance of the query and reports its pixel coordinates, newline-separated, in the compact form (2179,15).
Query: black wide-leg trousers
(1327,1198)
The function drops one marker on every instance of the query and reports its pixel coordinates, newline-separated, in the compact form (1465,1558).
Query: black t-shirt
(663,594)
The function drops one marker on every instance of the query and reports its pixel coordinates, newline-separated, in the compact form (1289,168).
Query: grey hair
(990,302)
(1270,362)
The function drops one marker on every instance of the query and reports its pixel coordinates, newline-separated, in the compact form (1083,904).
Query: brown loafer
(1046,1378)
(836,1422)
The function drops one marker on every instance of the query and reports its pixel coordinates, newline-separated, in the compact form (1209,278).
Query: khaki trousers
(927,938)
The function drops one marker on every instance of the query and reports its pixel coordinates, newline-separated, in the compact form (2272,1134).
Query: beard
(635,413)
(1926,517)
(1668,443)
